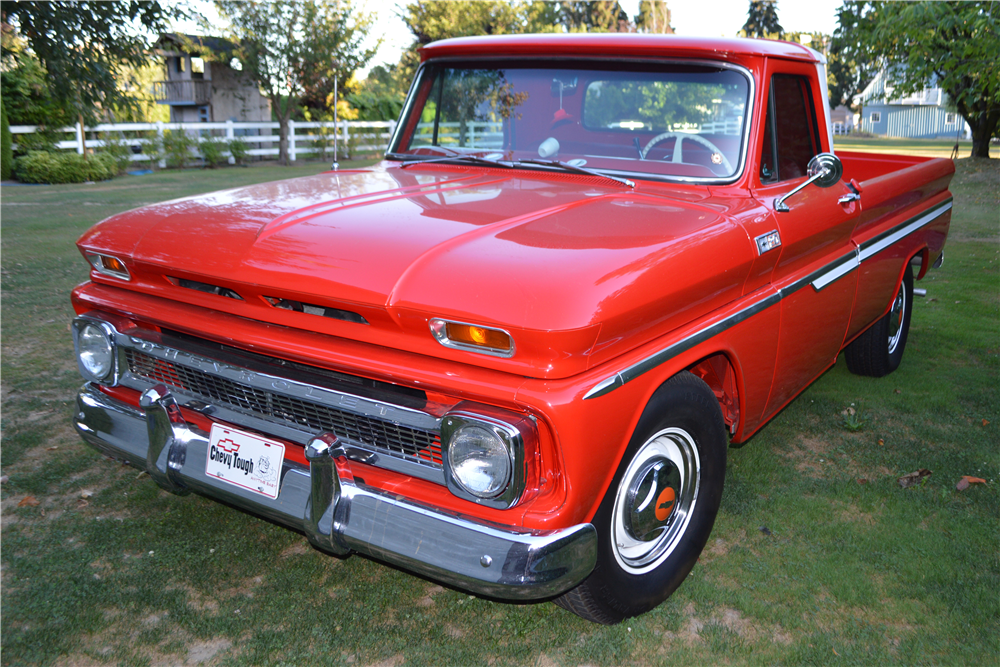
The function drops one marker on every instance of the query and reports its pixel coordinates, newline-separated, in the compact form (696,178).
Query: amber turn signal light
(472,337)
(109,266)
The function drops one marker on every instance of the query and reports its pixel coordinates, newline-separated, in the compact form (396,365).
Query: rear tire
(658,512)
(879,350)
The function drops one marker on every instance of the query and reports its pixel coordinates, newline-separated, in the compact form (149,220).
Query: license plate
(245,460)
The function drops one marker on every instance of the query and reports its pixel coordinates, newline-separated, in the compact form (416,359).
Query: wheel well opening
(921,259)
(718,373)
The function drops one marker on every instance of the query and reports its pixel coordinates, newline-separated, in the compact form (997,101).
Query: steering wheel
(678,151)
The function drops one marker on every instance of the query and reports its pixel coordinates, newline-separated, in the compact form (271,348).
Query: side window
(768,163)
(791,135)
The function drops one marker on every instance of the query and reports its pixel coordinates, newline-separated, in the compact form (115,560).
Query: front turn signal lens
(108,265)
(472,337)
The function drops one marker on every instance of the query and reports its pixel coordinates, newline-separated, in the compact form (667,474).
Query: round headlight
(479,461)
(95,352)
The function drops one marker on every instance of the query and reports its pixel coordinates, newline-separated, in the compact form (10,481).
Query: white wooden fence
(356,136)
(478,134)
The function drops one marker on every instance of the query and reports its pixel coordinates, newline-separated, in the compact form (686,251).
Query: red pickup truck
(512,355)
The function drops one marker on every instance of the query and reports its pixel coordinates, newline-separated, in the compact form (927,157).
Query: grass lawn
(818,555)
(923,147)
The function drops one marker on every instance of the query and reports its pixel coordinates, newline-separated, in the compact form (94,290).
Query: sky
(695,18)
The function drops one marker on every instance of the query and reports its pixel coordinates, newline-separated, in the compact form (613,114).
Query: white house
(922,115)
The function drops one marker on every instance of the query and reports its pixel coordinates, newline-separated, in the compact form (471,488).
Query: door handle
(853,195)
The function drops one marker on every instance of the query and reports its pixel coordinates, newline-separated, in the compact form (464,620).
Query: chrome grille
(379,435)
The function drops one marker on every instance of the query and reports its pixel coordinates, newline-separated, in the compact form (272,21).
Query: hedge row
(43,167)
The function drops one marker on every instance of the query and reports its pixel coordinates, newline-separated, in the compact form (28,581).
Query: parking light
(109,266)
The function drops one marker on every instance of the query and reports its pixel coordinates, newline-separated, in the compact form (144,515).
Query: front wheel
(658,513)
(879,350)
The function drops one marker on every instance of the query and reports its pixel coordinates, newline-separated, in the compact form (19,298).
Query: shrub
(323,143)
(153,148)
(42,141)
(116,147)
(239,150)
(212,150)
(43,167)
(177,145)
(6,146)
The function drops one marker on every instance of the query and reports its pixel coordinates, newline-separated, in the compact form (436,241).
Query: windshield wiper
(572,168)
(475,159)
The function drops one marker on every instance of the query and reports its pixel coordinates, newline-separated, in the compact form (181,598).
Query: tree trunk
(983,126)
(283,141)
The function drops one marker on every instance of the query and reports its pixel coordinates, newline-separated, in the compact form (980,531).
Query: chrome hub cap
(896,319)
(654,501)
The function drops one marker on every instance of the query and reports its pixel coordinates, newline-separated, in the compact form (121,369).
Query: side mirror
(828,167)
(824,170)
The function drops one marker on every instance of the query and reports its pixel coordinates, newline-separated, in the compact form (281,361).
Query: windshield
(675,121)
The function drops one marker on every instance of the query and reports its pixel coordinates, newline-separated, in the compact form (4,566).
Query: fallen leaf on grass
(914,478)
(881,442)
(51,449)
(29,501)
(81,503)
(985,423)
(862,480)
(966,481)
(899,391)
(86,494)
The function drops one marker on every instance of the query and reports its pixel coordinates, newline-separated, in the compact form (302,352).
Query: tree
(26,92)
(84,47)
(654,18)
(296,49)
(762,20)
(380,96)
(6,152)
(594,16)
(951,45)
(431,21)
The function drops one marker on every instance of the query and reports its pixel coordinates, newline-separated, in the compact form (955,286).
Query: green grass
(854,568)
(922,147)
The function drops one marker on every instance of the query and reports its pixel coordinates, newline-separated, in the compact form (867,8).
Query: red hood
(563,262)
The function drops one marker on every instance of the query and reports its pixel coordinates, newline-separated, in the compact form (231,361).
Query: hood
(570,265)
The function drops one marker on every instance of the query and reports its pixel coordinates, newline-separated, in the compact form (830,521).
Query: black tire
(677,454)
(879,350)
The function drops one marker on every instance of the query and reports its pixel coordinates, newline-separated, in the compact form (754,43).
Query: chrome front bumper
(338,515)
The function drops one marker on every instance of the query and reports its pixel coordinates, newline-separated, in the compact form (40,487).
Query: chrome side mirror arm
(824,169)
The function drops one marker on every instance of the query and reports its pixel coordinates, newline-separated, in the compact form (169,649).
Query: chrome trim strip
(339,514)
(842,268)
(819,279)
(882,241)
(649,363)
